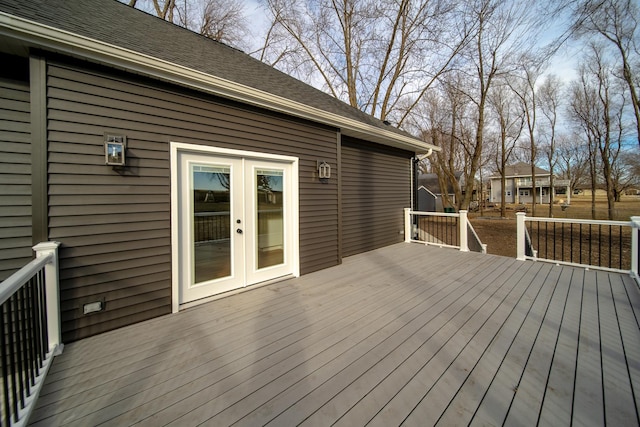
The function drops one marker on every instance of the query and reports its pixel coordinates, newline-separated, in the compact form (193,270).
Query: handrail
(14,282)
(30,337)
(463,227)
(577,221)
(612,248)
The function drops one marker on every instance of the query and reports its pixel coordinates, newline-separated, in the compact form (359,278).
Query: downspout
(414,180)
(414,188)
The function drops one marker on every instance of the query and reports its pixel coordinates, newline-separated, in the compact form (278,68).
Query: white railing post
(520,236)
(53,294)
(635,241)
(464,243)
(407,225)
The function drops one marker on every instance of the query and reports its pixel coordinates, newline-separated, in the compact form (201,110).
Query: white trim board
(176,147)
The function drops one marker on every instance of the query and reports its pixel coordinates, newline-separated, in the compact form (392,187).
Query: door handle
(239,231)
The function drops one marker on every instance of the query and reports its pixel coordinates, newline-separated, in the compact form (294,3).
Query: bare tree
(595,110)
(501,26)
(524,86)
(625,173)
(615,21)
(372,54)
(573,159)
(510,122)
(221,20)
(549,94)
(443,115)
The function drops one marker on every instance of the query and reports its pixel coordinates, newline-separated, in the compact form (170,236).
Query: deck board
(462,407)
(616,382)
(527,400)
(587,397)
(404,334)
(497,399)
(559,389)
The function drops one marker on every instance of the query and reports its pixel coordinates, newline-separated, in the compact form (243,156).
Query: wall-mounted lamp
(115,147)
(324,170)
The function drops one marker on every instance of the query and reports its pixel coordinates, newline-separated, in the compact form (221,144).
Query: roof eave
(50,38)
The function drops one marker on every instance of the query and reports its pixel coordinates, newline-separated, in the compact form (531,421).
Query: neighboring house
(220,186)
(430,193)
(519,185)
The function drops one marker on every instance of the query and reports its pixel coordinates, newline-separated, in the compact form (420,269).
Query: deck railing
(607,245)
(452,230)
(30,336)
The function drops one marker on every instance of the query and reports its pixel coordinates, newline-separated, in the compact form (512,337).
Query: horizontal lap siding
(15,177)
(115,227)
(376,186)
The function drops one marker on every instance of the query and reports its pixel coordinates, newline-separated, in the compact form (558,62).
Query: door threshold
(234,292)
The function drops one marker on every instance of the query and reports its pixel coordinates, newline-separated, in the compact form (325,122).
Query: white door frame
(176,147)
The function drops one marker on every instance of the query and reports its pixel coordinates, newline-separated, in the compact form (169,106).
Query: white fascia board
(50,38)
(528,176)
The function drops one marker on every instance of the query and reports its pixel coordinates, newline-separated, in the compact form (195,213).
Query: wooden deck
(406,334)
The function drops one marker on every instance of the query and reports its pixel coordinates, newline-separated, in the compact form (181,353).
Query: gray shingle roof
(115,23)
(521,169)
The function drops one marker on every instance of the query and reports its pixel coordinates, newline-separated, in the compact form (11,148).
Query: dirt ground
(499,234)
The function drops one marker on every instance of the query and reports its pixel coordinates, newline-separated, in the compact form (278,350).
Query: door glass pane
(270,227)
(211,222)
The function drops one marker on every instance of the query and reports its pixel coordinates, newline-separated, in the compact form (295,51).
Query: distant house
(519,185)
(430,196)
(172,168)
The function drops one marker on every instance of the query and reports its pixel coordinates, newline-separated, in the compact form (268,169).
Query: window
(524,193)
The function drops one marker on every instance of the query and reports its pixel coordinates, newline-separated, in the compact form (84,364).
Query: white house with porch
(519,185)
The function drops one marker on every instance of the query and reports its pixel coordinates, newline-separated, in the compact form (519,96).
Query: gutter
(61,41)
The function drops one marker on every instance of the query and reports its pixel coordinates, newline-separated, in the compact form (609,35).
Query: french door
(235,219)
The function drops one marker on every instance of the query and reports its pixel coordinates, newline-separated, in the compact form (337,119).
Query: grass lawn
(500,233)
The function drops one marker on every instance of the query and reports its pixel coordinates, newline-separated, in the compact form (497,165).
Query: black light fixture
(115,147)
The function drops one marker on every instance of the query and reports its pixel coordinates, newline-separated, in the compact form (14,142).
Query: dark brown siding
(376,186)
(15,176)
(115,227)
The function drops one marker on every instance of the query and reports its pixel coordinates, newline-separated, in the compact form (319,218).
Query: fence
(607,245)
(30,336)
(451,230)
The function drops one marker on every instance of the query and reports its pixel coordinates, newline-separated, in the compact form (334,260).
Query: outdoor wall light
(93,307)
(324,170)
(115,147)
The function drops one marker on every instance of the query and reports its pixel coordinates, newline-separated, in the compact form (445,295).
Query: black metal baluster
(12,358)
(620,246)
(37,330)
(590,242)
(33,339)
(43,314)
(6,401)
(24,351)
(580,229)
(554,241)
(28,343)
(562,244)
(571,242)
(33,367)
(599,245)
(546,240)
(610,248)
